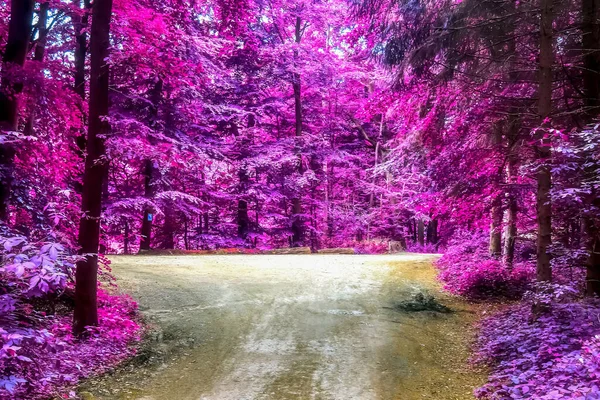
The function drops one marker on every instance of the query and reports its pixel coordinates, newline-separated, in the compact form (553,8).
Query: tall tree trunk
(38,55)
(80,24)
(186,238)
(149,173)
(151,169)
(514,140)
(126,238)
(510,233)
(169,229)
(432,231)
(591,56)
(15,53)
(495,247)
(297,222)
(421,232)
(495,244)
(86,311)
(242,218)
(591,81)
(593,260)
(542,147)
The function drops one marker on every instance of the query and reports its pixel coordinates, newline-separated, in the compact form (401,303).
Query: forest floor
(287,327)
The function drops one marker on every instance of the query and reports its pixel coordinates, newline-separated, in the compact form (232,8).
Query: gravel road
(287,327)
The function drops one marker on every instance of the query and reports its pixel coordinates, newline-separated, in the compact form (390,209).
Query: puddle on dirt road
(296,327)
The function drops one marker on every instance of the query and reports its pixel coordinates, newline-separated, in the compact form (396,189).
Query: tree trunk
(590,28)
(297,223)
(86,312)
(421,233)
(593,260)
(542,147)
(243,219)
(434,231)
(169,230)
(15,53)
(126,238)
(149,173)
(39,52)
(495,247)
(186,238)
(80,24)
(510,234)
(591,82)
(514,140)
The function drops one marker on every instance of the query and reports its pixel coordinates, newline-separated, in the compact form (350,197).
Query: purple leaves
(31,337)
(467,270)
(554,355)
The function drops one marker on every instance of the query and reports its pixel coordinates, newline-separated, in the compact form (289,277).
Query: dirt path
(319,327)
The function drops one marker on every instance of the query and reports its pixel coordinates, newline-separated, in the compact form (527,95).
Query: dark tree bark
(186,238)
(421,232)
(169,230)
(38,55)
(243,220)
(432,231)
(514,140)
(591,81)
(542,147)
(297,222)
(591,56)
(151,169)
(15,53)
(126,237)
(593,260)
(86,311)
(149,173)
(80,23)
(496,228)
(510,234)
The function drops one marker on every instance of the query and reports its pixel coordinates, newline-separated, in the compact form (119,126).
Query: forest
(468,128)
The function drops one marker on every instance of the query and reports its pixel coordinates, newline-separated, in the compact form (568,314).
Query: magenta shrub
(467,270)
(427,248)
(369,246)
(39,357)
(554,354)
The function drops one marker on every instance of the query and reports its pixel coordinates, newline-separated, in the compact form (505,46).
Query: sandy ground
(287,327)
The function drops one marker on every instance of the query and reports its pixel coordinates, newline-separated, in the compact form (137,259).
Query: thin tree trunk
(510,234)
(434,231)
(86,311)
(15,53)
(126,238)
(513,138)
(149,173)
(186,239)
(542,147)
(243,219)
(421,232)
(591,82)
(297,223)
(593,260)
(39,52)
(496,228)
(80,24)
(591,56)
(169,229)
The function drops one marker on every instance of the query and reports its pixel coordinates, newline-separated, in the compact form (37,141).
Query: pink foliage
(466,269)
(39,357)
(370,247)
